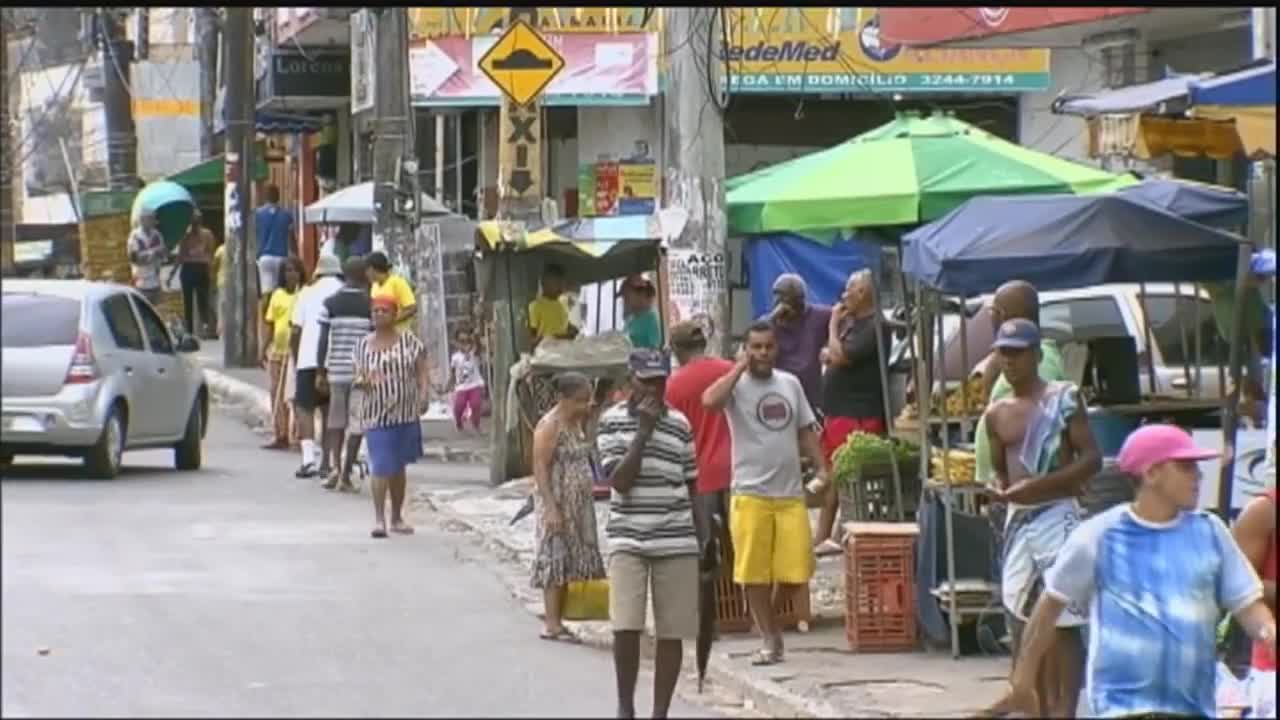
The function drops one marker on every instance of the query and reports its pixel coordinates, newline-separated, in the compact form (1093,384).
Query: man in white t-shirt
(310,392)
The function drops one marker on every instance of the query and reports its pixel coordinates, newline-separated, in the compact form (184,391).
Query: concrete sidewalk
(247,390)
(820,677)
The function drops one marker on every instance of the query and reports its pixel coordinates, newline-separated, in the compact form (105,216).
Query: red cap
(1153,444)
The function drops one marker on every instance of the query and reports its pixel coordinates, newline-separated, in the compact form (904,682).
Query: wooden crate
(732,614)
(880,608)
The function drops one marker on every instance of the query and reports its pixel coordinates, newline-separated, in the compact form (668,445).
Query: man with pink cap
(1156,575)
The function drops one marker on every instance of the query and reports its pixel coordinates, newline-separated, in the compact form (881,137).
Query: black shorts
(304,392)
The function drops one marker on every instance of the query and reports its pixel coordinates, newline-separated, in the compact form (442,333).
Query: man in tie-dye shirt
(1155,574)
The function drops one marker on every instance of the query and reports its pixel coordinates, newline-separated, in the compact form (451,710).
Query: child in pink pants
(467,381)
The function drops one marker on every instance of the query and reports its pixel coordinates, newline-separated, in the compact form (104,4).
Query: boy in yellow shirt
(383,282)
(548,316)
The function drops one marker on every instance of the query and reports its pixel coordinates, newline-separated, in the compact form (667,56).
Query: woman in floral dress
(568,548)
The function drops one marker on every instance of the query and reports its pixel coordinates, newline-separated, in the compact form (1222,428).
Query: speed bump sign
(522,64)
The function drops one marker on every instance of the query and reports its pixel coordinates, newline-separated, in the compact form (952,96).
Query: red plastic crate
(732,613)
(879,587)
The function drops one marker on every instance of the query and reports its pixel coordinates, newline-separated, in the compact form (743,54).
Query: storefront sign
(842,50)
(363,67)
(434,22)
(599,69)
(931,25)
(315,73)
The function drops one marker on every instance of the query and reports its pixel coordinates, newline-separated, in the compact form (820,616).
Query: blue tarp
(1251,86)
(825,269)
(1145,97)
(1206,204)
(1058,242)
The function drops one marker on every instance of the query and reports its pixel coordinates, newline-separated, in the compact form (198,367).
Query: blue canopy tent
(825,268)
(1059,242)
(1248,98)
(1206,204)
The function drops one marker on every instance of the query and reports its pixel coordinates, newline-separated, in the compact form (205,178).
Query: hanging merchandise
(639,192)
(586,191)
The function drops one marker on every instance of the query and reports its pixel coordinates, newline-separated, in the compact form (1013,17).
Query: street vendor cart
(1055,242)
(509,260)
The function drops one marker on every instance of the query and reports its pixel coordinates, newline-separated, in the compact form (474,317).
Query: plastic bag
(587,600)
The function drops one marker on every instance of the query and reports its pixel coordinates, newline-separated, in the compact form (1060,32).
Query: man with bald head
(800,329)
(1014,300)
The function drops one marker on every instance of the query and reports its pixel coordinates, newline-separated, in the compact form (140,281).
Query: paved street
(240,590)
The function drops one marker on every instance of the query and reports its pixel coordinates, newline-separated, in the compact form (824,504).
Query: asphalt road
(241,591)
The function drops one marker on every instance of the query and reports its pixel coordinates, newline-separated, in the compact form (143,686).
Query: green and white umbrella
(912,170)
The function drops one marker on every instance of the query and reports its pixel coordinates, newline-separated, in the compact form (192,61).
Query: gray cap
(328,265)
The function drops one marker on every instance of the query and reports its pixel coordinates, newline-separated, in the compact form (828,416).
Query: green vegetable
(861,450)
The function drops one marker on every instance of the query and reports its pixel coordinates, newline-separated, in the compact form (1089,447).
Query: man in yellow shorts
(770,423)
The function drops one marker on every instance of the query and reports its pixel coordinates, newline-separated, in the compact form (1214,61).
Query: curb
(760,696)
(257,402)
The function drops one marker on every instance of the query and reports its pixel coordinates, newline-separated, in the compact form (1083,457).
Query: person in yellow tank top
(548,316)
(383,282)
(276,332)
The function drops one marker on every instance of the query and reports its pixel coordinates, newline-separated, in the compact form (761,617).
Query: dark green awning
(210,172)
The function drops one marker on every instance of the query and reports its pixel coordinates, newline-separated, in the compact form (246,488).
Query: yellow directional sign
(521,63)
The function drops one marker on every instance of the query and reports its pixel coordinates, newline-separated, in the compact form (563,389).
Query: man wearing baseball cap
(646,451)
(1155,574)
(642,324)
(1042,453)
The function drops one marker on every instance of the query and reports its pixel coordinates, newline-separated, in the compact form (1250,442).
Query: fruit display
(958,404)
(959,468)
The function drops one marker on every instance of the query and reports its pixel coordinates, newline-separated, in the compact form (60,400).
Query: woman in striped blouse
(391,368)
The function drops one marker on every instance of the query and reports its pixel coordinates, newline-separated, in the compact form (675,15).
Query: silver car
(90,370)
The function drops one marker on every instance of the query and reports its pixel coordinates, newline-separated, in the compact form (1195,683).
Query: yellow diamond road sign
(521,63)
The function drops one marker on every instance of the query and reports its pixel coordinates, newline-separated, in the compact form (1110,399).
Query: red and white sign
(934,25)
(613,68)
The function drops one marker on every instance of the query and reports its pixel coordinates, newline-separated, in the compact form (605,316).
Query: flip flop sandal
(406,530)
(827,548)
(378,533)
(764,658)
(561,635)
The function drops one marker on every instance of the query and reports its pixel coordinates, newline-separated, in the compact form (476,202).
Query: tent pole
(882,357)
(1199,340)
(1146,332)
(953,618)
(1182,336)
(964,364)
(1231,409)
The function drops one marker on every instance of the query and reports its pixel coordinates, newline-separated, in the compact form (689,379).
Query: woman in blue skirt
(391,368)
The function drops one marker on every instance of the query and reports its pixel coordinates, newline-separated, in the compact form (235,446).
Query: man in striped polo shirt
(344,319)
(646,450)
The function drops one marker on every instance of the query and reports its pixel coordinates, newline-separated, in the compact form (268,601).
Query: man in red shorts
(852,396)
(710,430)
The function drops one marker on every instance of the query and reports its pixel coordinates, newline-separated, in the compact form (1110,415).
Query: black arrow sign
(522,156)
(522,129)
(521,181)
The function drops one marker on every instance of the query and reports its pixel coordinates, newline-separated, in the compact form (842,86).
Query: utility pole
(519,206)
(207,36)
(694,155)
(8,231)
(392,130)
(117,101)
(239,302)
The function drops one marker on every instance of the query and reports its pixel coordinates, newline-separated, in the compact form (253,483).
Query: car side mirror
(188,344)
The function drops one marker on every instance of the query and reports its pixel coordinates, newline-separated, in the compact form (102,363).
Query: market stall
(509,260)
(1054,242)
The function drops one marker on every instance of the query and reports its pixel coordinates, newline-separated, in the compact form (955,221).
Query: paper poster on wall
(607,188)
(697,279)
(586,190)
(638,188)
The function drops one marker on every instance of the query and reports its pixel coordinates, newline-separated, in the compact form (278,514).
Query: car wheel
(186,454)
(103,459)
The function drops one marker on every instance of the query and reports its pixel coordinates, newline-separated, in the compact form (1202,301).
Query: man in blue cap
(1043,453)
(646,451)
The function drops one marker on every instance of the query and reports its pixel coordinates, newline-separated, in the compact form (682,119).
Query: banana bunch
(959,404)
(959,465)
